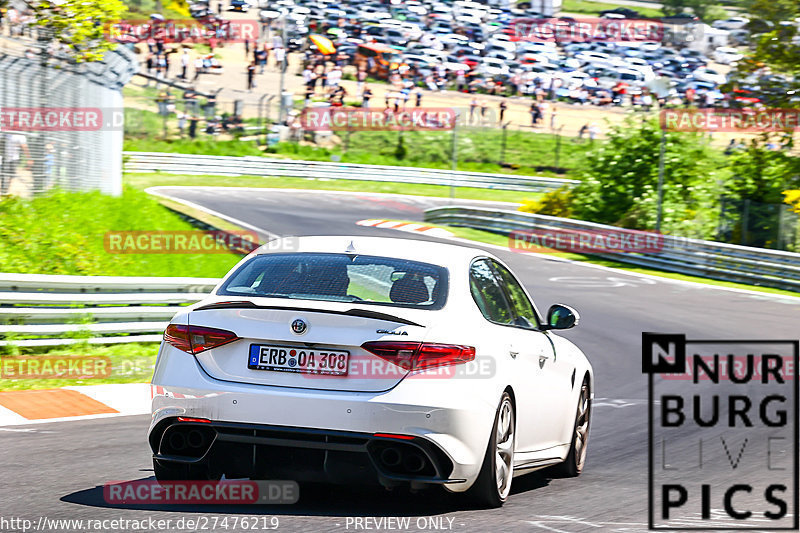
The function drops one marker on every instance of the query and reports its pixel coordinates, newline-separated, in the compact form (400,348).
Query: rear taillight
(419,355)
(196,339)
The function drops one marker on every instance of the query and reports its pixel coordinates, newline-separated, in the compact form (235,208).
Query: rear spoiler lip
(362,313)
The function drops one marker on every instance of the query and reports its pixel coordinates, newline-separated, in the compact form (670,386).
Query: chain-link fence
(60,122)
(758,224)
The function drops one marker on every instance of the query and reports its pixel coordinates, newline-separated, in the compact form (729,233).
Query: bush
(556,203)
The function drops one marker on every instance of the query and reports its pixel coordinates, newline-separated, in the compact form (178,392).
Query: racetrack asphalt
(57,470)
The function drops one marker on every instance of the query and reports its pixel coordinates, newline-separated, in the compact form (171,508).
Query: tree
(676,7)
(761,175)
(80,25)
(620,180)
(779,47)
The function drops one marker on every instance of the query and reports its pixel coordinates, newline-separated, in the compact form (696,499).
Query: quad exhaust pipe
(186,440)
(404,460)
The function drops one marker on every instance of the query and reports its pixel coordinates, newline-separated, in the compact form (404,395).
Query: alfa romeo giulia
(370,360)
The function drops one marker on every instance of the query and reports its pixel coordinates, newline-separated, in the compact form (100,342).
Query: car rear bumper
(449,420)
(302,454)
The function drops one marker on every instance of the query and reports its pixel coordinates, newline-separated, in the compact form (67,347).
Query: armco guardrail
(728,262)
(263,166)
(107,310)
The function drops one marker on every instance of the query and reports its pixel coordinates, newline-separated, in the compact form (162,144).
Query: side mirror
(561,316)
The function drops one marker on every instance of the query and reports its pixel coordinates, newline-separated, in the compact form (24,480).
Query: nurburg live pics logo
(722,433)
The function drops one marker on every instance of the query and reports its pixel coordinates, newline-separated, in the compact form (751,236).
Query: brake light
(196,339)
(200,420)
(418,355)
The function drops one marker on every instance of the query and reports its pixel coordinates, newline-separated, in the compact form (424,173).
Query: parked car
(623,11)
(725,55)
(733,23)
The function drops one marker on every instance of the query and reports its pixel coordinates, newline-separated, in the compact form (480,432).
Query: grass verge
(63,233)
(144,180)
(594,8)
(130,363)
(479,149)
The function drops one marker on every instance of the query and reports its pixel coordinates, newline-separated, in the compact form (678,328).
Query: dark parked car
(624,11)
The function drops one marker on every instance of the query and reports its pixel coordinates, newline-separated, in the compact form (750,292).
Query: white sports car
(370,360)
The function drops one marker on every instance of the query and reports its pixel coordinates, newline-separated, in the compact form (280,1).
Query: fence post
(503,145)
(454,155)
(558,146)
(745,221)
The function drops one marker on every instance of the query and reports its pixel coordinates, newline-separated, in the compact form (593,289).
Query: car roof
(442,254)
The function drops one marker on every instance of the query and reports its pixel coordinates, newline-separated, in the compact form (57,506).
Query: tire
(489,490)
(576,457)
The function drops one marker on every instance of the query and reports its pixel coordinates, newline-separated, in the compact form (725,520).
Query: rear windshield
(341,278)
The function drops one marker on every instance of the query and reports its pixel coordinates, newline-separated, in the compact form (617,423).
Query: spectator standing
(181,122)
(184,63)
(280,59)
(365,96)
(198,67)
(418,97)
(251,72)
(15,145)
(361,78)
(334,77)
(690,95)
(473,105)
(593,132)
(261,59)
(647,101)
(536,113)
(461,81)
(308,76)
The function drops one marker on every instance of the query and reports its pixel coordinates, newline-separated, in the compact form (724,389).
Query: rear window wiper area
(361,313)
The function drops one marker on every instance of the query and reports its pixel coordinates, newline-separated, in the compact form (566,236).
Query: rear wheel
(493,485)
(573,464)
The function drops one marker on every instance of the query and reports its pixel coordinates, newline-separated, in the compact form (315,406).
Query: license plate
(298,360)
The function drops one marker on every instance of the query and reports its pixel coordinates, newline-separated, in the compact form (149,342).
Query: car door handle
(543,359)
(513,354)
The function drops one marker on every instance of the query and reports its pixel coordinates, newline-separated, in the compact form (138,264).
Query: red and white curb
(405,226)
